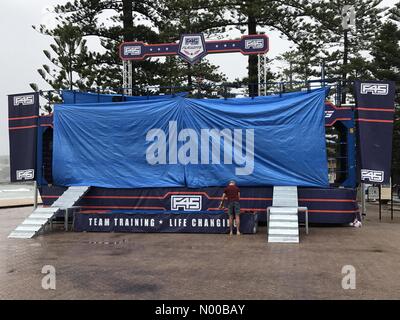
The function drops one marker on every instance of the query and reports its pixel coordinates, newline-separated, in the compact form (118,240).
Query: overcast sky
(21,52)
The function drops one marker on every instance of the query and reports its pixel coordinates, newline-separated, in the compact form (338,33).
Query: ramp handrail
(300,209)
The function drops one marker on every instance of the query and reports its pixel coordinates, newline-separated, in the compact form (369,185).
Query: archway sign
(193,47)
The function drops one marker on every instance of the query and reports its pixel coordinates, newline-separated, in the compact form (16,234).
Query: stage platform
(171,205)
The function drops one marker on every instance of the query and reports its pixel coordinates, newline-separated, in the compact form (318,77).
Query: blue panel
(276,140)
(153,221)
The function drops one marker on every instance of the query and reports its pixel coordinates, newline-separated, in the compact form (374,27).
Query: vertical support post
(35,195)
(363,202)
(73,218)
(259,56)
(306,220)
(339,93)
(66,219)
(127,77)
(262,74)
(265,73)
(130,79)
(391,198)
(124,76)
(380,206)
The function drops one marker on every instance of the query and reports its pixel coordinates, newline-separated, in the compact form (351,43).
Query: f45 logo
(254,44)
(372,175)
(24,100)
(133,51)
(186,202)
(27,174)
(378,89)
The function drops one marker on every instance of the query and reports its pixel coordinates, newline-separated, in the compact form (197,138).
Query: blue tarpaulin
(180,142)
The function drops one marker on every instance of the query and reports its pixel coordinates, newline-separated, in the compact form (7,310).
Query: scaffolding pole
(127,77)
(262,74)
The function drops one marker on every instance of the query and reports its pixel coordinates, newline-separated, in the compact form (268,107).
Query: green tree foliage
(395,12)
(185,17)
(299,64)
(108,23)
(340,48)
(102,21)
(386,53)
(70,60)
(324,40)
(286,17)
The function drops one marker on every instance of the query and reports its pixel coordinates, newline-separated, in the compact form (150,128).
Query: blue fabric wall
(175,142)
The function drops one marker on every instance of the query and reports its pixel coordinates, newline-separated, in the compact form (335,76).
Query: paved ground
(7,203)
(195,266)
(17,194)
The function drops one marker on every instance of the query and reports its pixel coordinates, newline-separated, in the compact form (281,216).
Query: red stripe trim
(375,109)
(24,127)
(255,199)
(337,119)
(209,209)
(122,197)
(244,209)
(225,50)
(165,196)
(21,118)
(326,200)
(374,120)
(334,211)
(159,54)
(95,211)
(335,107)
(313,210)
(241,209)
(224,41)
(212,198)
(126,207)
(237,50)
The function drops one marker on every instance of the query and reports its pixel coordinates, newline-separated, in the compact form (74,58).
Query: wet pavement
(202,266)
(17,194)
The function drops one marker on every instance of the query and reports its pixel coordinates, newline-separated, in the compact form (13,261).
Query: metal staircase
(283,221)
(41,216)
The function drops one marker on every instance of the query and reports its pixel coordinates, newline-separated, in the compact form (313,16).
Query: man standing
(232,194)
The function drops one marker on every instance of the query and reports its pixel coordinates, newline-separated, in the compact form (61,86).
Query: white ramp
(283,221)
(41,216)
(285,197)
(70,197)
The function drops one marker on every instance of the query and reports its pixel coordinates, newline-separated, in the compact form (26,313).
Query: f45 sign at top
(378,89)
(193,47)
